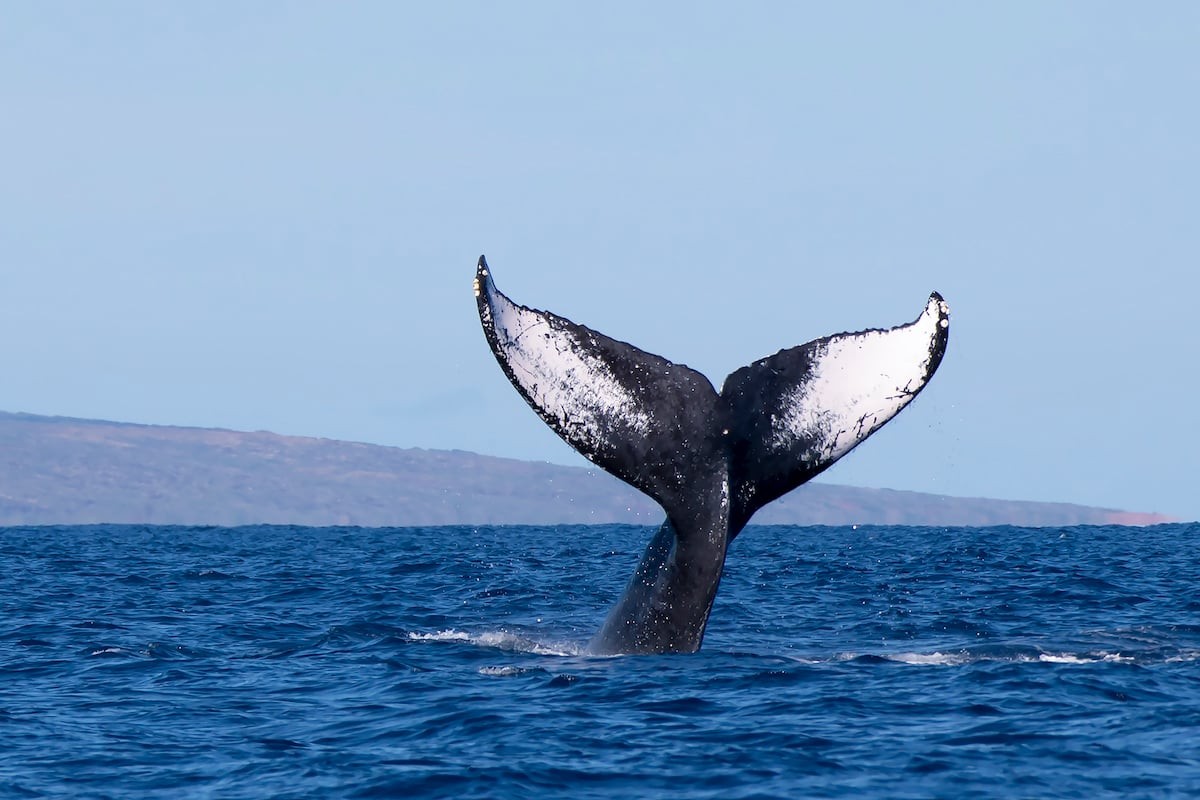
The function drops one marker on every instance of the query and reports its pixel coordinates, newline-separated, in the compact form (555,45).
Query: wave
(961,658)
(509,641)
(502,640)
(1014,654)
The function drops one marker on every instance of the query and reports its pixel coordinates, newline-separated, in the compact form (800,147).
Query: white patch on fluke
(576,392)
(858,382)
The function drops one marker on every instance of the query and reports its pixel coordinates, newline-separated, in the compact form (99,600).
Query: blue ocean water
(282,662)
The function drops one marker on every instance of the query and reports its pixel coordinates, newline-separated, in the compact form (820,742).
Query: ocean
(848,662)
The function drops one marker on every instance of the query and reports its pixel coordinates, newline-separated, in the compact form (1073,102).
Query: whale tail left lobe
(636,415)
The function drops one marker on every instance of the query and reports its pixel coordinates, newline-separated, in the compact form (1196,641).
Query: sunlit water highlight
(447,662)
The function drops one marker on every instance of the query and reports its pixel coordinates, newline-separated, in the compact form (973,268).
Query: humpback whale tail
(710,459)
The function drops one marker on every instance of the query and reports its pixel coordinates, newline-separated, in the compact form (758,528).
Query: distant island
(59,470)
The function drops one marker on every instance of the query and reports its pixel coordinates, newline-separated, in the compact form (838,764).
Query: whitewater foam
(501,640)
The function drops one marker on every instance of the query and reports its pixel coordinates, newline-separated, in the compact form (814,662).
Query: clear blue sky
(267,215)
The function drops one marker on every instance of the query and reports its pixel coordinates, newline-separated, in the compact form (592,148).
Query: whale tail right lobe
(792,415)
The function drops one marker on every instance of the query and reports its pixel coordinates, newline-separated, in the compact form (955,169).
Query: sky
(266,216)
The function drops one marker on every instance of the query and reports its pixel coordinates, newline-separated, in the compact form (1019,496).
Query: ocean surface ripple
(282,662)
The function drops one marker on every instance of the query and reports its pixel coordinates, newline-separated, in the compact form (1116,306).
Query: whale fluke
(709,459)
